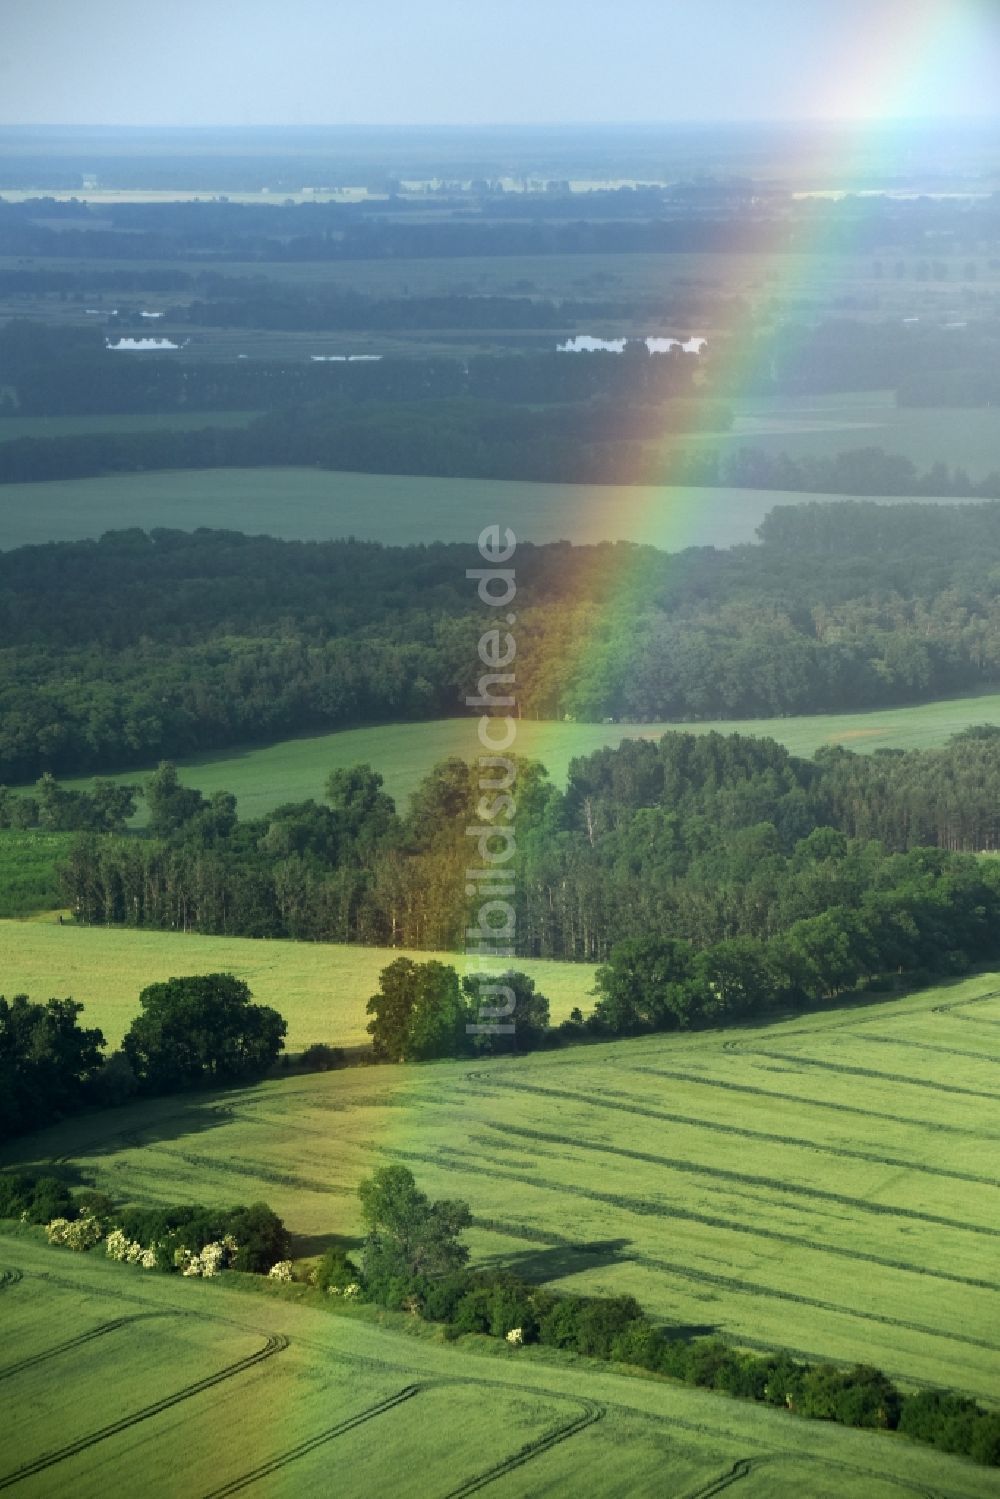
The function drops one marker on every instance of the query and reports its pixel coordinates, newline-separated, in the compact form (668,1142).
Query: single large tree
(201,1029)
(407,1235)
(418,1013)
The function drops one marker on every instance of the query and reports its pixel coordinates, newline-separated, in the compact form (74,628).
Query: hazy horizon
(106,64)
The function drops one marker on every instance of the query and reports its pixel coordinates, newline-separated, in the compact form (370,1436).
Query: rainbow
(889,74)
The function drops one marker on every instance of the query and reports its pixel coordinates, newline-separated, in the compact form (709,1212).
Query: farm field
(821,426)
(320,988)
(264,1394)
(295,769)
(825,1184)
(28,864)
(12,427)
(306,504)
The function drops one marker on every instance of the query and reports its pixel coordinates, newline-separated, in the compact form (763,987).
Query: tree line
(705,839)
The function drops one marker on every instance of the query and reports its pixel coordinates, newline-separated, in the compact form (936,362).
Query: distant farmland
(309,504)
(826,1184)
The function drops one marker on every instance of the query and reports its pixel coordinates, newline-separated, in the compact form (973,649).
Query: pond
(584,343)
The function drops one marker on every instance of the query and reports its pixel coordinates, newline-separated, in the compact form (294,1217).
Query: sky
(328,62)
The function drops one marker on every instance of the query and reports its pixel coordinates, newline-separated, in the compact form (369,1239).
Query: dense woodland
(704,839)
(139,647)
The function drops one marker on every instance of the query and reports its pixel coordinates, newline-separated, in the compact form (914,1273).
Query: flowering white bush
(116,1244)
(82,1234)
(515,1337)
(281,1271)
(352,1290)
(148,1261)
(213,1258)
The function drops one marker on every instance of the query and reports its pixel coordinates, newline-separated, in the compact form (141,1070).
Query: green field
(320,505)
(12,427)
(295,769)
(825,1184)
(820,426)
(319,987)
(199,1388)
(28,865)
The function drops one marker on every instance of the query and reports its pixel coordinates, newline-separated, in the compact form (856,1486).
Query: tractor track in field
(275,1344)
(725,1282)
(871,1074)
(958,1004)
(741,1468)
(643,1207)
(10,1276)
(9,1370)
(751,1179)
(275,1464)
(590,1413)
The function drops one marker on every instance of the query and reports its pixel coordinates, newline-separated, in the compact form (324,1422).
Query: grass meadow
(199,1387)
(308,504)
(28,870)
(319,987)
(294,769)
(825,1184)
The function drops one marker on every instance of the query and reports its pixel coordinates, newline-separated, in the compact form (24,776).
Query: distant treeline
(709,220)
(140,647)
(700,840)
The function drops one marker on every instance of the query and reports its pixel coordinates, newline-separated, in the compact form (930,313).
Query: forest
(141,647)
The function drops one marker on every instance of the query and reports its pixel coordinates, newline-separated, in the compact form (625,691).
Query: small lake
(584,343)
(144,344)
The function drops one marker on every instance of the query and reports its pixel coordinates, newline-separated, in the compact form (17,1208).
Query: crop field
(306,504)
(825,1184)
(12,427)
(821,426)
(295,769)
(319,987)
(28,864)
(207,1390)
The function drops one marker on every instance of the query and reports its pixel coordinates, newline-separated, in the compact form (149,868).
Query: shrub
(97,1204)
(602,1320)
(262,1237)
(282,1271)
(322,1058)
(861,1396)
(15,1194)
(558,1328)
(335,1271)
(49,1199)
(79,1234)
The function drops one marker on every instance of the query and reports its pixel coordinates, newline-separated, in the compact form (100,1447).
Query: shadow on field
(309,1246)
(560,1260)
(64,1149)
